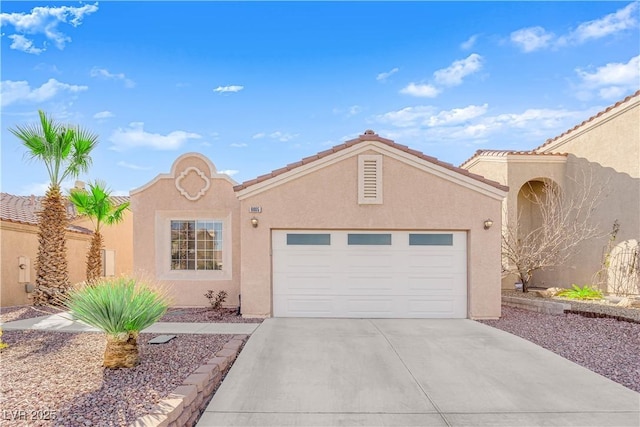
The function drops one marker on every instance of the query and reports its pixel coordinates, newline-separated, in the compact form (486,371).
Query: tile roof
(590,119)
(368,135)
(505,153)
(24,209)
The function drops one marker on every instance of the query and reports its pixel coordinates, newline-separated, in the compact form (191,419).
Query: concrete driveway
(405,372)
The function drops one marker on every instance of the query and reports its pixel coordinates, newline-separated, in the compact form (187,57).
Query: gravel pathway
(606,346)
(60,374)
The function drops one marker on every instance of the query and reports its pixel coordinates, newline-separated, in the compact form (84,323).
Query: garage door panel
(358,280)
(305,306)
(444,308)
(306,283)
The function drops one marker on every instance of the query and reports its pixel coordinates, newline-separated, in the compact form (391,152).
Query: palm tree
(64,150)
(98,206)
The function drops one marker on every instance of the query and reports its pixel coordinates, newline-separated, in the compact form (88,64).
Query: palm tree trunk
(121,352)
(52,274)
(94,258)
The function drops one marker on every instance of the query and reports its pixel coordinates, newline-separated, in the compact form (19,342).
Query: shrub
(217,299)
(576,292)
(3,345)
(120,307)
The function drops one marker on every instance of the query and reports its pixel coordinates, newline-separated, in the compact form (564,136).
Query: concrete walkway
(423,372)
(63,322)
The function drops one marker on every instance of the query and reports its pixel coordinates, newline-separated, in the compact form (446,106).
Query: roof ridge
(368,135)
(590,119)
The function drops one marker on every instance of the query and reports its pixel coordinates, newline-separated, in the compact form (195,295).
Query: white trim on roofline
(382,148)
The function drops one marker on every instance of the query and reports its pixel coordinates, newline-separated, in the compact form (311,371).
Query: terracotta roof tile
(504,153)
(576,127)
(24,210)
(370,135)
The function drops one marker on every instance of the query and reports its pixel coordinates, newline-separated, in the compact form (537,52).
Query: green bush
(118,306)
(576,292)
(3,345)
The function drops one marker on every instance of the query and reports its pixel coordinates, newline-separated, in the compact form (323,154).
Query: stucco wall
(611,140)
(607,150)
(153,207)
(618,199)
(21,240)
(117,238)
(413,200)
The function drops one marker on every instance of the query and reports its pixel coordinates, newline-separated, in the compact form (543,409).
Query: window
(431,239)
(369,239)
(308,239)
(196,245)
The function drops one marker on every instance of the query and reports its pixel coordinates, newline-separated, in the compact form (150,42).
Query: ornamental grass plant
(120,307)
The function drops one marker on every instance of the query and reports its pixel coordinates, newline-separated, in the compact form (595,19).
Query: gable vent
(370,179)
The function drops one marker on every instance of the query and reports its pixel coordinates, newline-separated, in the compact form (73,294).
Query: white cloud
(453,74)
(384,76)
(238,145)
(348,112)
(232,89)
(20,91)
(280,136)
(105,74)
(612,80)
(135,136)
(20,42)
(103,115)
(420,90)
(471,124)
(445,77)
(469,43)
(428,117)
(621,20)
(409,116)
(229,172)
(133,166)
(457,115)
(44,21)
(533,38)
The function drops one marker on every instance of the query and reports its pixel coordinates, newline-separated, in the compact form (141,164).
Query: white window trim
(364,195)
(163,246)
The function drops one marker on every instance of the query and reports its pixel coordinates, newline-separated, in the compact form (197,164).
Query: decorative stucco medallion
(192,183)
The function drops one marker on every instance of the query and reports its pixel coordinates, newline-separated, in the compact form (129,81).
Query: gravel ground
(190,314)
(607,346)
(45,373)
(205,315)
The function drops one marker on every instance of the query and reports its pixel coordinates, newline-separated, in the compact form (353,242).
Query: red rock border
(183,407)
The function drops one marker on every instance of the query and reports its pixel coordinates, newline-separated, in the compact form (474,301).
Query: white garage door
(398,274)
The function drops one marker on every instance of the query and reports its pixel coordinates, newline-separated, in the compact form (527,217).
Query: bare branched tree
(564,222)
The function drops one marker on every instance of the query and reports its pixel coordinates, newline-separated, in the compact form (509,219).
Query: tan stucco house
(604,148)
(19,246)
(369,228)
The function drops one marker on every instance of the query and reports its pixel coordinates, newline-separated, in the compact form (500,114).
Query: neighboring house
(606,147)
(369,228)
(19,246)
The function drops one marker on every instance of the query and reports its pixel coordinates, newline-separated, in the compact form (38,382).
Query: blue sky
(257,85)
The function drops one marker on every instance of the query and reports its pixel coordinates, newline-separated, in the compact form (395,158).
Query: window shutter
(370,179)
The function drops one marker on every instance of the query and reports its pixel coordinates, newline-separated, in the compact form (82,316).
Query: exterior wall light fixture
(254,222)
(488,223)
